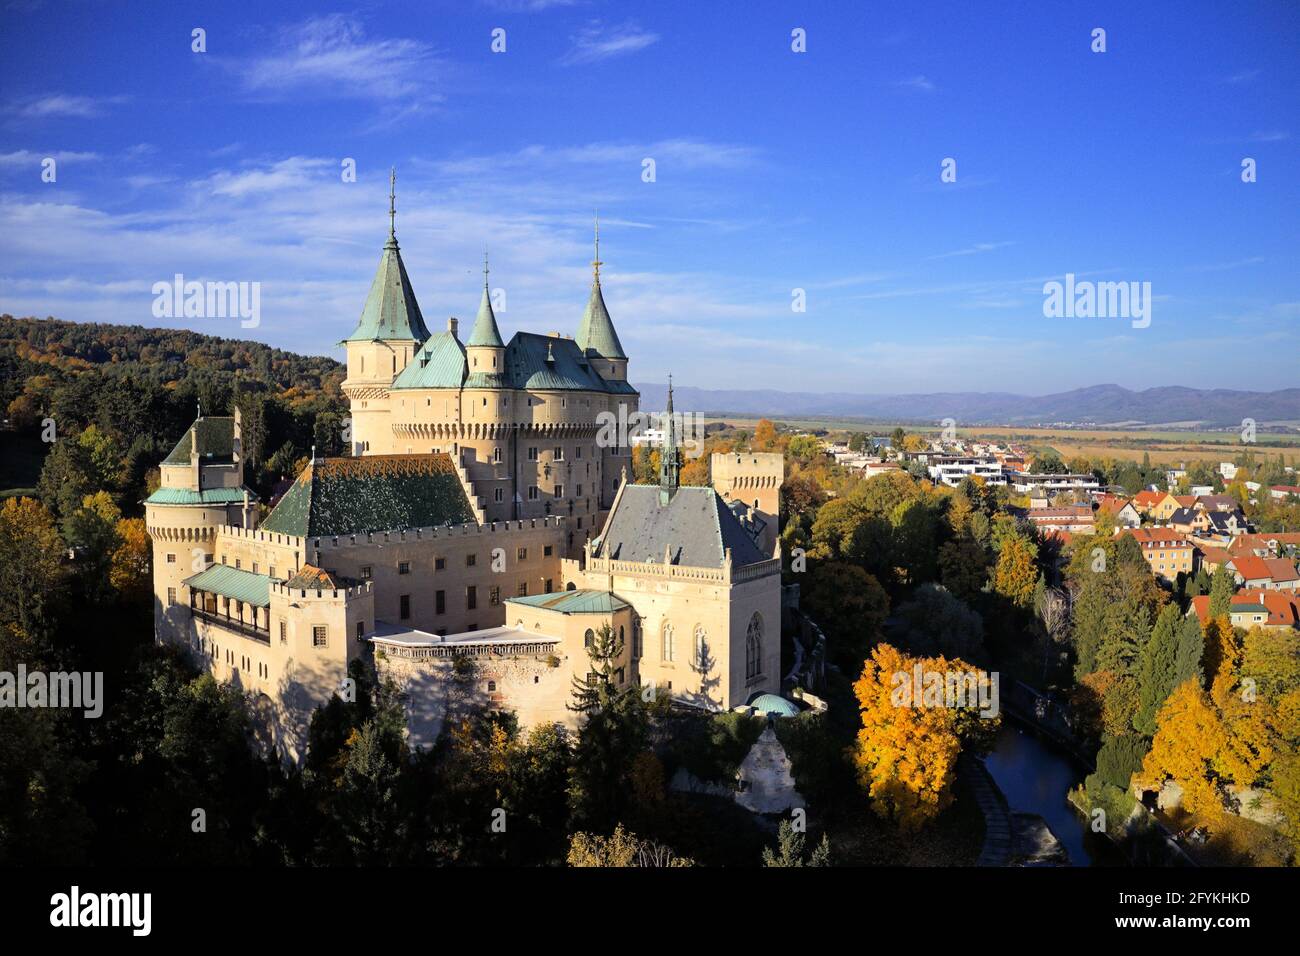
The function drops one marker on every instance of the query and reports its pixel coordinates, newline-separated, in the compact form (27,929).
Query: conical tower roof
(391,311)
(596,333)
(485,331)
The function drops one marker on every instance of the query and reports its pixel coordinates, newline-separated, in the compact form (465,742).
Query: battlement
(359,589)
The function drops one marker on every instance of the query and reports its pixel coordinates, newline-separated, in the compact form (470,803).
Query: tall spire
(391,312)
(392,204)
(669,461)
(485,331)
(596,335)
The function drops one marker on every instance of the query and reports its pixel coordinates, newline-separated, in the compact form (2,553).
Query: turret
(485,352)
(389,333)
(596,336)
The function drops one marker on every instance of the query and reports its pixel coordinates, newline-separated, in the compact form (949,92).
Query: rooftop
(234,583)
(413,637)
(695,528)
(339,496)
(584,601)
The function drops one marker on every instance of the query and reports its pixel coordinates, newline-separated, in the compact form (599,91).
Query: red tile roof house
(1168,553)
(1269,609)
(1284,491)
(1126,515)
(1218,503)
(1265,544)
(1272,574)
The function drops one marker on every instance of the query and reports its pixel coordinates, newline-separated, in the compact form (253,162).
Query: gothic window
(754,647)
(669,651)
(637,649)
(701,647)
(589,638)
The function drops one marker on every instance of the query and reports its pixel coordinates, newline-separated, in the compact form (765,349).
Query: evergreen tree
(790,846)
(613,733)
(1158,669)
(1221,587)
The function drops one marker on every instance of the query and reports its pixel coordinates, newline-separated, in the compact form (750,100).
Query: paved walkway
(993,805)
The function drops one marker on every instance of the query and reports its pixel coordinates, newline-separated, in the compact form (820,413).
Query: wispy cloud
(63,104)
(333,56)
(24,157)
(598,41)
(1245,76)
(921,83)
(973,250)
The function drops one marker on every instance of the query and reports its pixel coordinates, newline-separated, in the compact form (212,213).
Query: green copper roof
(216,437)
(340,496)
(596,335)
(585,601)
(539,362)
(391,311)
(774,705)
(485,330)
(439,363)
(235,584)
(209,496)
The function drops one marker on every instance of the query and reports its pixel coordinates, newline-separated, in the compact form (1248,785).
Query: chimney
(453,326)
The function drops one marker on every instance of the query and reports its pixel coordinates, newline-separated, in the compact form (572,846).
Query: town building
(1168,553)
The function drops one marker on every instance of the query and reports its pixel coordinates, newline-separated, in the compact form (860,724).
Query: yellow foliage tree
(1189,739)
(128,571)
(620,849)
(1222,649)
(1016,574)
(906,755)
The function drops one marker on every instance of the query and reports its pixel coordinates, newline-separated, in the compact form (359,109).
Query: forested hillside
(127,393)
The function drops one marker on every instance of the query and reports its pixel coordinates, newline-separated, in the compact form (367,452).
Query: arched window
(637,649)
(754,647)
(570,586)
(701,647)
(492,687)
(669,651)
(589,638)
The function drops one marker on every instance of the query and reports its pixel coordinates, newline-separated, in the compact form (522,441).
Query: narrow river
(1036,776)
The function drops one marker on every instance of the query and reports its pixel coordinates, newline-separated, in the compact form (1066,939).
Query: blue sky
(774,170)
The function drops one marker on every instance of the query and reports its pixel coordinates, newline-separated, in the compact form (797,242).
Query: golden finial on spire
(392,203)
(596,263)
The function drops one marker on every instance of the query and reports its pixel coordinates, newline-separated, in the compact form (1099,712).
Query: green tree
(1167,659)
(1222,586)
(790,849)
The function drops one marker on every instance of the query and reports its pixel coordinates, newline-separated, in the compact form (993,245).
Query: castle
(474,542)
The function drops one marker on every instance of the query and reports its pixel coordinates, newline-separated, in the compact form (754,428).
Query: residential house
(1167,552)
(1270,574)
(1273,610)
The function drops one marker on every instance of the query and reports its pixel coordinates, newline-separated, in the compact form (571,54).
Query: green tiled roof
(209,496)
(216,438)
(234,583)
(391,311)
(532,361)
(485,325)
(584,601)
(543,362)
(439,363)
(596,335)
(339,496)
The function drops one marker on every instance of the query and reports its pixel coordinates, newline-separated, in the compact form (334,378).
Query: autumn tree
(1185,748)
(1016,572)
(30,573)
(129,571)
(621,849)
(850,607)
(906,754)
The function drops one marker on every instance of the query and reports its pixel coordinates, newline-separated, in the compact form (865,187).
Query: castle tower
(390,331)
(485,352)
(596,335)
(201,488)
(599,342)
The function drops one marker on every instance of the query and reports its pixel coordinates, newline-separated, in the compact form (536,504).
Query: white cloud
(919,83)
(62,104)
(598,41)
(332,56)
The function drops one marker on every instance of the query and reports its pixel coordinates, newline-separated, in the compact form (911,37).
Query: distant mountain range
(1101,405)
